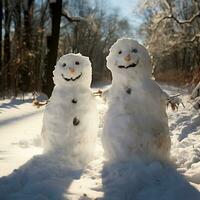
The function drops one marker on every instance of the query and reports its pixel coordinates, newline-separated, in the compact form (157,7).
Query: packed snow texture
(46,177)
(70,123)
(136,124)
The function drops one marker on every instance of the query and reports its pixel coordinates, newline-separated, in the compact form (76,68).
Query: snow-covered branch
(66,14)
(181,22)
(173,17)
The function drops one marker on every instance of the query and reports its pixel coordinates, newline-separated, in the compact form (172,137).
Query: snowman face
(128,57)
(72,69)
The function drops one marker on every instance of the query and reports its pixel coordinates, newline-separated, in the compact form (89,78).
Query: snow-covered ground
(42,178)
(185,135)
(20,127)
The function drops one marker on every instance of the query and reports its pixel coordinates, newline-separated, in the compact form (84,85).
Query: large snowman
(70,121)
(136,124)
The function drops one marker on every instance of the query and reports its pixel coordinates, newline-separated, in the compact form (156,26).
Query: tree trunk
(28,43)
(17,53)
(52,44)
(7,52)
(40,49)
(28,14)
(1,18)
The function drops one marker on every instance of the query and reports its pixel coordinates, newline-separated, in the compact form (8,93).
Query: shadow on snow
(41,178)
(14,103)
(141,181)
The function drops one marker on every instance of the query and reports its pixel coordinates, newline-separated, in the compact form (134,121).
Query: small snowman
(70,121)
(136,123)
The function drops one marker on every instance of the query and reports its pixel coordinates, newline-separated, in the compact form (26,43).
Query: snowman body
(70,121)
(136,124)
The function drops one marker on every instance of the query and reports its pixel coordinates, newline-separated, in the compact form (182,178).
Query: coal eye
(134,50)
(77,63)
(119,52)
(64,64)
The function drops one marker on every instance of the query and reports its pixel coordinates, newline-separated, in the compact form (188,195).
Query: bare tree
(94,35)
(173,36)
(34,32)
(7,51)
(52,44)
(56,10)
(1,18)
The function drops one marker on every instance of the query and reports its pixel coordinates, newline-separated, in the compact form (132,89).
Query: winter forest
(99,99)
(34,33)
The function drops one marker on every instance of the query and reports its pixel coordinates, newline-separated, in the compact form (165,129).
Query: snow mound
(41,97)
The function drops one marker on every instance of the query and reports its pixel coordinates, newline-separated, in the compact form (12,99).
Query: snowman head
(129,59)
(72,69)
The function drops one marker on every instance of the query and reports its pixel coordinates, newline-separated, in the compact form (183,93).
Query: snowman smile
(129,66)
(71,79)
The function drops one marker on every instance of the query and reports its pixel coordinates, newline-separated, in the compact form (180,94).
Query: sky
(127,8)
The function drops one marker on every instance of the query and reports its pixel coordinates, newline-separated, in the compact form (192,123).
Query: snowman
(70,120)
(136,124)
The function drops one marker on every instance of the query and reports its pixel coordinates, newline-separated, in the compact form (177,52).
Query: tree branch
(65,13)
(171,16)
(197,36)
(174,46)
